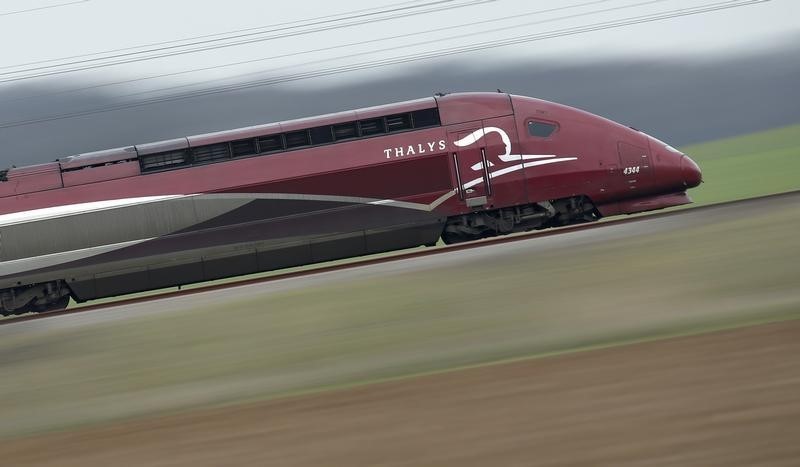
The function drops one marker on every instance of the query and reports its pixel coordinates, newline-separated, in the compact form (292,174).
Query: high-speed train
(456,167)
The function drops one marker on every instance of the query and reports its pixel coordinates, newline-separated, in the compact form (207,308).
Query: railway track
(386,259)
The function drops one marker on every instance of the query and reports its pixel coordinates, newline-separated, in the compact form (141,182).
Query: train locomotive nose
(692,176)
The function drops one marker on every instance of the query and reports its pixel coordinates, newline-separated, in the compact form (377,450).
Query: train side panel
(489,164)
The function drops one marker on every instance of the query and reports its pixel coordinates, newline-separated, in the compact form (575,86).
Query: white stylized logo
(535,159)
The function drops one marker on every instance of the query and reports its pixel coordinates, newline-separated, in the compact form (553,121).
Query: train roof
(130,153)
(113,155)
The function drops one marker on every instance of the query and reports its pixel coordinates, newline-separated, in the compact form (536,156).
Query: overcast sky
(685,78)
(53,29)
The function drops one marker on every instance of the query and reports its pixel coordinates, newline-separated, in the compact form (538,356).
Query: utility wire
(407,45)
(48,7)
(401,59)
(351,44)
(235,31)
(282,32)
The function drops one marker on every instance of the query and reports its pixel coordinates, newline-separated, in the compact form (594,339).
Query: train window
(425,117)
(371,127)
(244,147)
(345,131)
(164,160)
(270,143)
(218,152)
(321,135)
(297,139)
(398,122)
(541,129)
(211,153)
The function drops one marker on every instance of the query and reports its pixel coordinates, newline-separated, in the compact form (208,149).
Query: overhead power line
(241,39)
(707,8)
(48,7)
(354,44)
(406,45)
(224,33)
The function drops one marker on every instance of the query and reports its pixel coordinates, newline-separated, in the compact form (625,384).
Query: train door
(635,166)
(505,164)
(470,164)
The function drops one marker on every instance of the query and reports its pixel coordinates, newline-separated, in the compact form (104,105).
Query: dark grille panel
(164,160)
(297,139)
(321,135)
(372,127)
(245,147)
(398,122)
(345,131)
(423,118)
(270,143)
(211,153)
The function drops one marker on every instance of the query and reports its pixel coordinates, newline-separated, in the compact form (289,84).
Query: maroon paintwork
(617,168)
(593,138)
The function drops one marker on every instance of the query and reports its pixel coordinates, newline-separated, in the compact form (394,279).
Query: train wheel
(58,305)
(16,312)
(450,238)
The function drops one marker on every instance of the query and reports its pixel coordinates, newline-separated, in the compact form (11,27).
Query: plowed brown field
(725,398)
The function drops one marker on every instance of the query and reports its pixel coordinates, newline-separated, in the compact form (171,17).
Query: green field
(516,304)
(746,166)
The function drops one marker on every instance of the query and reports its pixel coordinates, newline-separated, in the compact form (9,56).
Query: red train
(456,167)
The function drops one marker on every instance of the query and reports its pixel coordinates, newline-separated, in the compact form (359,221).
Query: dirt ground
(725,398)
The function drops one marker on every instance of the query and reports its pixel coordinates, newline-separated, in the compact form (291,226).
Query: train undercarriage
(55,295)
(35,298)
(502,221)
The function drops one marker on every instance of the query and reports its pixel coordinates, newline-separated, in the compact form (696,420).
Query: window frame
(532,121)
(281,141)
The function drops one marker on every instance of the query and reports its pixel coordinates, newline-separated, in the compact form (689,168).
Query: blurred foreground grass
(514,301)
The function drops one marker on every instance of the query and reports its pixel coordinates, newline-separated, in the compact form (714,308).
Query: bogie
(36,298)
(502,221)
